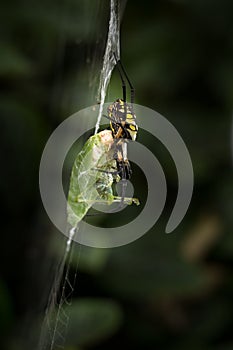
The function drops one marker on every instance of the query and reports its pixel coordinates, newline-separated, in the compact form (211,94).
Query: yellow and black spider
(123,125)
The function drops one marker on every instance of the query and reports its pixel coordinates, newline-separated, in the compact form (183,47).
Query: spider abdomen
(122,120)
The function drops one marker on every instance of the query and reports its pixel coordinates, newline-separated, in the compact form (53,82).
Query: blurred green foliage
(91,321)
(162,291)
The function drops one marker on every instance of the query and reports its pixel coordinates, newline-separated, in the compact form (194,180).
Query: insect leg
(107,171)
(115,199)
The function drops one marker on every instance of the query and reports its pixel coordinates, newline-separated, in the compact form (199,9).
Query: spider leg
(124,170)
(107,117)
(122,72)
(115,123)
(106,171)
(122,78)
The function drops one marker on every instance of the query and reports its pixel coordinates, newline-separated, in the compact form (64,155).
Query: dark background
(162,291)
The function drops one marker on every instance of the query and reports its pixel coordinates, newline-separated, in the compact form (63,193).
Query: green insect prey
(92,177)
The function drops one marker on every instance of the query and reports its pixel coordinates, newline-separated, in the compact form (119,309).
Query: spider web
(112,46)
(56,319)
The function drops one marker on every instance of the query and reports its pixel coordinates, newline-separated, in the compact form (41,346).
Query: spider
(103,160)
(123,125)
